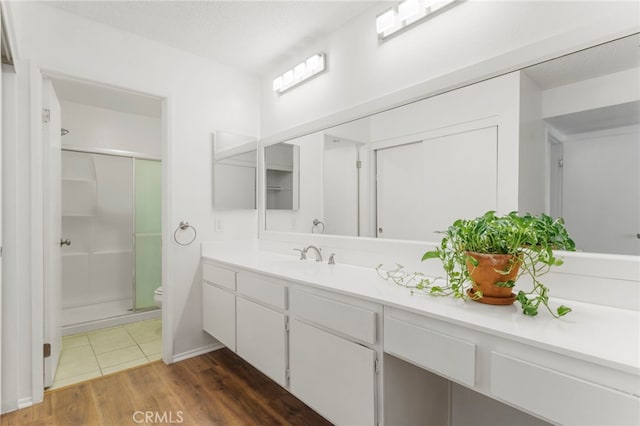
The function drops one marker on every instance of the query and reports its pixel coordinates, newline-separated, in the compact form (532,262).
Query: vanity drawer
(218,276)
(263,289)
(442,354)
(559,397)
(347,319)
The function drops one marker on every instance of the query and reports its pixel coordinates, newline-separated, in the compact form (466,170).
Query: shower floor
(101,315)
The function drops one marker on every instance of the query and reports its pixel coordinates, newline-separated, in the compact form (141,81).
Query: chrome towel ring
(183,226)
(317,222)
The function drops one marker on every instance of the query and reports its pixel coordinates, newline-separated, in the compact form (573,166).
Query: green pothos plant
(531,240)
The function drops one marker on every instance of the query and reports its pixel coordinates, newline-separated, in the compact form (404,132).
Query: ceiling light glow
(386,20)
(406,13)
(408,9)
(312,66)
(277,83)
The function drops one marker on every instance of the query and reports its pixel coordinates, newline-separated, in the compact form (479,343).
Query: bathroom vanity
(363,351)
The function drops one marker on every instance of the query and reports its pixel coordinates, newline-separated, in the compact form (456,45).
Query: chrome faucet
(315,249)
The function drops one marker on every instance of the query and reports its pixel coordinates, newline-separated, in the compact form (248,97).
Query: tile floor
(96,353)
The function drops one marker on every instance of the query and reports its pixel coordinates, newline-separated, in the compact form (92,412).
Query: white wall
(611,89)
(93,127)
(361,69)
(202,96)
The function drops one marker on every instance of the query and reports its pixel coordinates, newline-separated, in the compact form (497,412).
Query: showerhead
(64,132)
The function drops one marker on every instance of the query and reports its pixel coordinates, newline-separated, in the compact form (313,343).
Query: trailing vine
(531,240)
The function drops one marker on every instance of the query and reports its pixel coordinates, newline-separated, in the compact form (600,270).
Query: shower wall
(97,216)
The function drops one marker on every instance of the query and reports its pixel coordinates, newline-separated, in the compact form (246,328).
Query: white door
(601,191)
(340,187)
(52,229)
(423,187)
(399,186)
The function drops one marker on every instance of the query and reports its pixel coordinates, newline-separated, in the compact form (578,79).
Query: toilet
(157,296)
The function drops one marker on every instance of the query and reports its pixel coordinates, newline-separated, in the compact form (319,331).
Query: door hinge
(376,366)
(47,350)
(287,375)
(561,163)
(286,324)
(358,164)
(46,115)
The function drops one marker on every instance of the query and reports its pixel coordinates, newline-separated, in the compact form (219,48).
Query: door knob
(66,242)
(380,230)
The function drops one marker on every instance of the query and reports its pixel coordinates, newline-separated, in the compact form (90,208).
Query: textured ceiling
(251,35)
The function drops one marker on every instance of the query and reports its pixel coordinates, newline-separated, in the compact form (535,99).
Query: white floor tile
(110,339)
(89,355)
(76,361)
(119,356)
(125,365)
(151,348)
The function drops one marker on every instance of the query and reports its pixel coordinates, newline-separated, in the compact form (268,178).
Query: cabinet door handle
(66,242)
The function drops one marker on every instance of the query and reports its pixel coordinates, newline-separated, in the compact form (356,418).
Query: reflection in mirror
(591,113)
(281,166)
(410,171)
(234,171)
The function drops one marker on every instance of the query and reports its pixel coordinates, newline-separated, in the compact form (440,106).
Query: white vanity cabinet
(552,386)
(261,324)
(558,396)
(331,368)
(219,303)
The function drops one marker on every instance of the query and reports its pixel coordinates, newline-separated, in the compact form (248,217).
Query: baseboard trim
(198,351)
(25,402)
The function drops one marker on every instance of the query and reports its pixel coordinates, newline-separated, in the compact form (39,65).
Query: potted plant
(484,257)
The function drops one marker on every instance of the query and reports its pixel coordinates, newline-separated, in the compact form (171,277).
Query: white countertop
(603,335)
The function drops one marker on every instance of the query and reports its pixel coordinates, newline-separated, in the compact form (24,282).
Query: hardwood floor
(217,388)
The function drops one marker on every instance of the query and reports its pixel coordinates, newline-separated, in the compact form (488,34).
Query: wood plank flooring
(217,388)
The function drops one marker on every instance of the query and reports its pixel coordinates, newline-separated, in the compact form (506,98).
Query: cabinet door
(219,314)
(332,375)
(262,339)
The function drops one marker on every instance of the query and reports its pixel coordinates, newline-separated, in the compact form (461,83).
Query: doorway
(103,281)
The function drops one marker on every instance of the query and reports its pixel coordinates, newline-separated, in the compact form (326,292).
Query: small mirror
(234,171)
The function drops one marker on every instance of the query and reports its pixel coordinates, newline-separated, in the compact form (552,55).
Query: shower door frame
(133,156)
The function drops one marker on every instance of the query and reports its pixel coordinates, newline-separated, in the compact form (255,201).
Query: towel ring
(317,222)
(183,226)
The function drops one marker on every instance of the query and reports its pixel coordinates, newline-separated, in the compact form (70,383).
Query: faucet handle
(332,259)
(303,255)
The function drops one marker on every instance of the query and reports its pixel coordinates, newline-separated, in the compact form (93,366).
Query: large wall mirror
(234,171)
(408,172)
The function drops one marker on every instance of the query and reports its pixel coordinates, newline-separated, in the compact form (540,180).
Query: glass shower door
(148,233)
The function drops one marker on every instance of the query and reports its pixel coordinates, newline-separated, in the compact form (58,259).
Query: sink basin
(295,265)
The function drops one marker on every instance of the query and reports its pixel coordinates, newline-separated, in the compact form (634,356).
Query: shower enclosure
(111,214)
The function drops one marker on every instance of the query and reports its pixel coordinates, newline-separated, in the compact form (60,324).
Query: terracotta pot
(485,276)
